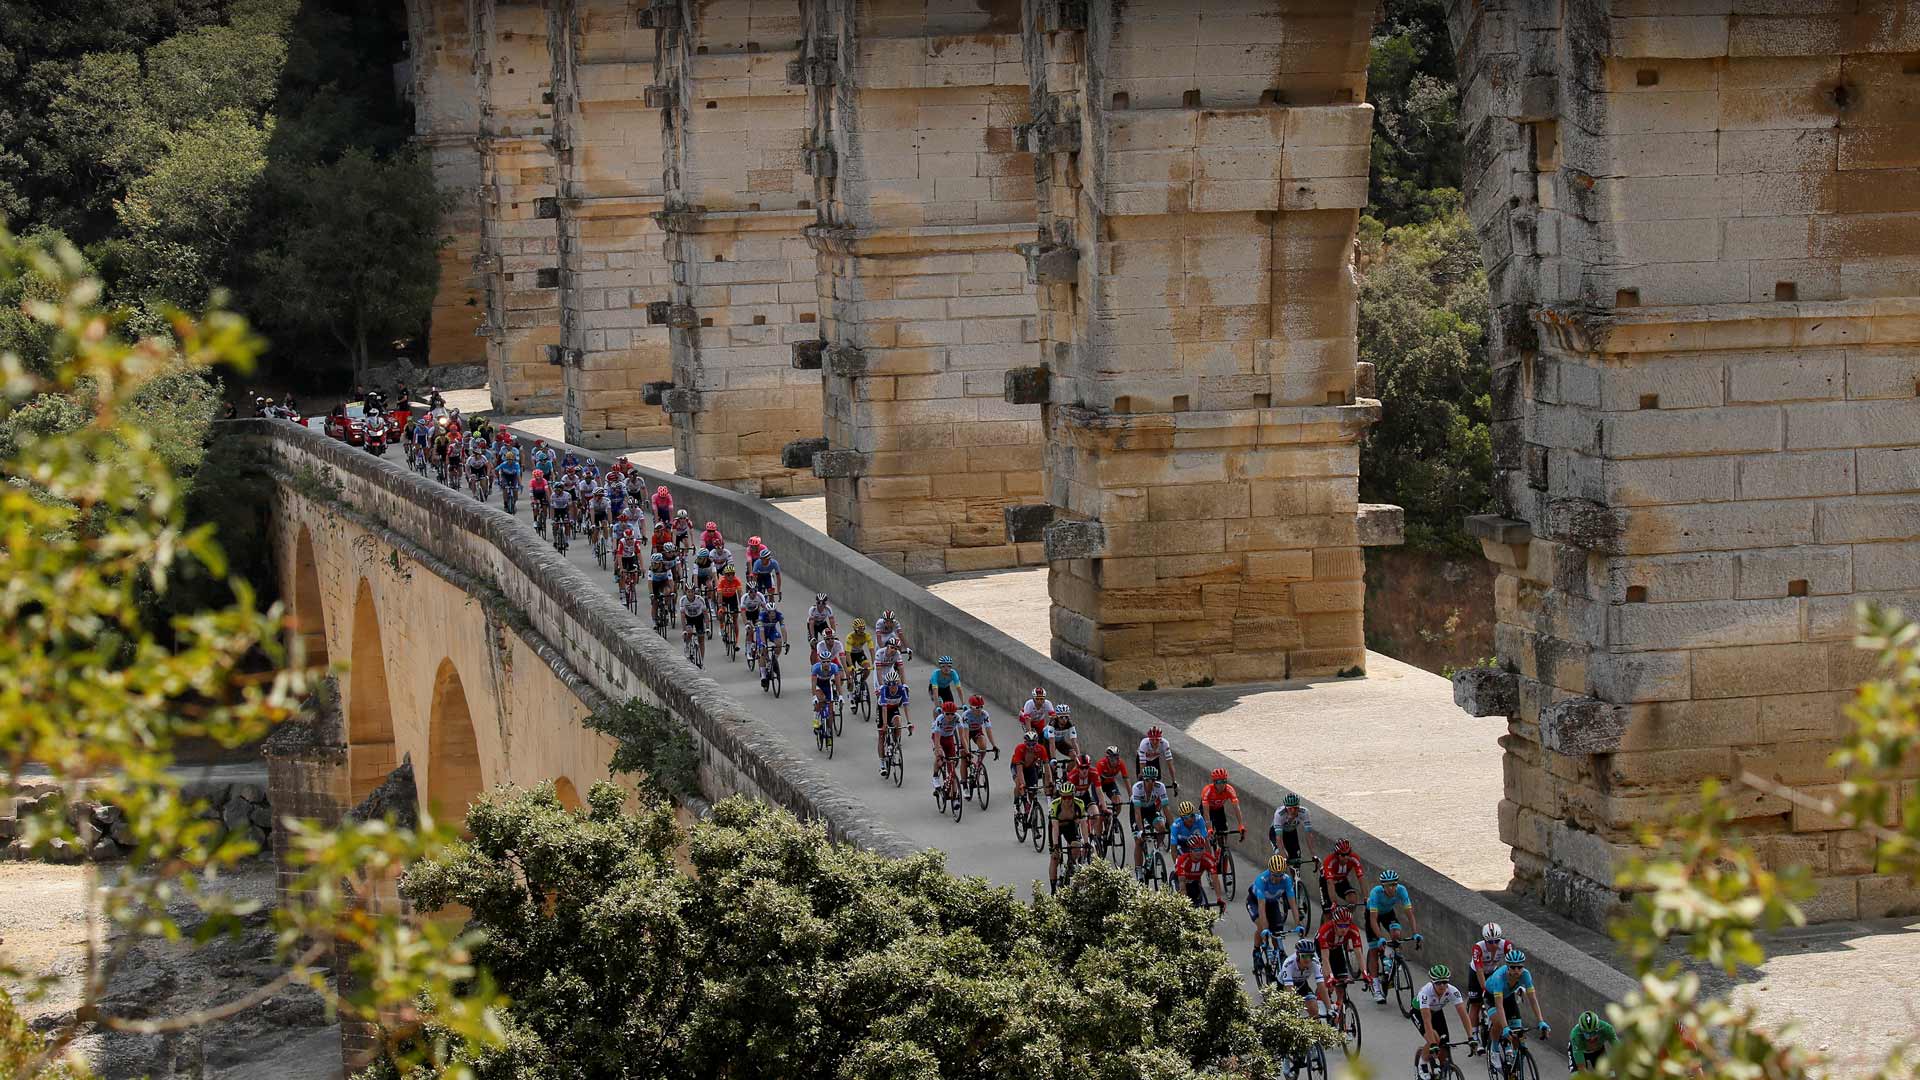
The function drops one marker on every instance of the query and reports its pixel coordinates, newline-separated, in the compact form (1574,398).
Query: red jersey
(1218,795)
(1081,779)
(1489,955)
(1035,722)
(661,536)
(1106,769)
(1337,866)
(1033,755)
(1193,865)
(1333,935)
(628,546)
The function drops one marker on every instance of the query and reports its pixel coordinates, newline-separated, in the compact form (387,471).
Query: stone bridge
(1070,280)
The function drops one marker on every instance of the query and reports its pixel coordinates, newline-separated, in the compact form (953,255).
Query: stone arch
(307,614)
(568,794)
(454,777)
(371,751)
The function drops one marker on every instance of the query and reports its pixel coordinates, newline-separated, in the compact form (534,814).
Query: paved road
(982,842)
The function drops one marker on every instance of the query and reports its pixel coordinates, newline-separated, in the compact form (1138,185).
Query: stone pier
(446,116)
(923,195)
(519,256)
(738,198)
(1201,168)
(612,263)
(1700,233)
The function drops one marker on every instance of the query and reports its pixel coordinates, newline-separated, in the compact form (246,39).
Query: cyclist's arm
(1413,920)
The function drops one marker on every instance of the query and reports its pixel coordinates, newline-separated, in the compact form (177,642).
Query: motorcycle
(376,437)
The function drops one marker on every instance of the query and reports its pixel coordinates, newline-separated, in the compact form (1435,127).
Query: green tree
(357,256)
(1422,324)
(1416,142)
(779,954)
(97,701)
(183,217)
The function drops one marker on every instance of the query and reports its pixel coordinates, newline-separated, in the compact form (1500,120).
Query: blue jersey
(1271,886)
(766,565)
(1381,901)
(894,693)
(1185,827)
(826,669)
(1504,982)
(943,678)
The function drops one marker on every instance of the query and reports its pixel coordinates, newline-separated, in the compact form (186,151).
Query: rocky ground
(288,1037)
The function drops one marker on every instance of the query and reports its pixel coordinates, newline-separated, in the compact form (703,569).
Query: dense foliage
(192,147)
(1416,143)
(99,700)
(776,954)
(1423,318)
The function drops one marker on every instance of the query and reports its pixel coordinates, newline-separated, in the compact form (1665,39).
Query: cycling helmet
(1490,932)
(1292,800)
(1218,775)
(1344,847)
(1187,808)
(1304,947)
(1277,864)
(1153,733)
(753,539)
(658,558)
(1031,738)
(1589,1021)
(1149,773)
(949,707)
(1192,843)
(977,701)
(1084,761)
(945,661)
(678,514)
(892,675)
(1113,751)
(1515,956)
(1039,692)
(859,624)
(1063,709)
(1393,928)
(1342,913)
(1443,973)
(1388,877)
(712,527)
(726,569)
(819,598)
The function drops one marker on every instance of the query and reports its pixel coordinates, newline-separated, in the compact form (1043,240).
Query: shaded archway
(371,754)
(307,616)
(453,752)
(568,794)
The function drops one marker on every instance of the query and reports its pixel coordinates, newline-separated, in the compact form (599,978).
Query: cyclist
(728,589)
(1589,1039)
(676,565)
(859,644)
(626,554)
(1290,824)
(775,621)
(1195,861)
(1385,903)
(693,616)
(1340,875)
(710,537)
(1431,1017)
(562,501)
(1340,941)
(1504,987)
(754,548)
(1155,751)
(888,629)
(1037,705)
(1487,954)
(662,505)
(1061,734)
(537,488)
(509,472)
(825,674)
(945,730)
(599,512)
(1066,812)
(818,617)
(542,457)
(1110,772)
(1302,972)
(944,683)
(1270,900)
(827,647)
(889,658)
(1187,822)
(766,573)
(1215,797)
(662,536)
(616,494)
(979,726)
(1029,764)
(660,583)
(1149,813)
(1079,779)
(479,466)
(892,699)
(683,530)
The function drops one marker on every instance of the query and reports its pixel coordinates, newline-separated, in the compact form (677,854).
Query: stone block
(1582,725)
(1027,385)
(1075,540)
(1382,525)
(839,464)
(1486,691)
(800,453)
(1027,524)
(682,402)
(808,355)
(654,393)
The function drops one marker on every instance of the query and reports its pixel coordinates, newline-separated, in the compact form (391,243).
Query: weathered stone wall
(612,266)
(737,200)
(519,256)
(1700,232)
(1201,171)
(1430,610)
(446,114)
(923,195)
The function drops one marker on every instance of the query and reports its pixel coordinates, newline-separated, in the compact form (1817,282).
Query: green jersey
(1585,1046)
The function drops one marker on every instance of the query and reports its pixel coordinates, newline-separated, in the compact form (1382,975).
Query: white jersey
(1151,754)
(1034,705)
(1156,794)
(826,648)
(1432,998)
(1285,822)
(1294,972)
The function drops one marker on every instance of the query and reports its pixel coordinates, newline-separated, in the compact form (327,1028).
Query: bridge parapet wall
(574,623)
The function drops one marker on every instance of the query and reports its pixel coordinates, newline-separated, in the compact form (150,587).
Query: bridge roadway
(982,842)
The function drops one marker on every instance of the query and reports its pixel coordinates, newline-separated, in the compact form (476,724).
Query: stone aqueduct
(1071,281)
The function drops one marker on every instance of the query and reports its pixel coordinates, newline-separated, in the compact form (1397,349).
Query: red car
(350,424)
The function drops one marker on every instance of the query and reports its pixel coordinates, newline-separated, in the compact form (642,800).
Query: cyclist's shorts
(1191,886)
(1474,990)
(1069,830)
(698,622)
(630,564)
(730,603)
(825,686)
(948,745)
(1274,912)
(1439,1024)
(601,517)
(764,581)
(1029,775)
(1218,815)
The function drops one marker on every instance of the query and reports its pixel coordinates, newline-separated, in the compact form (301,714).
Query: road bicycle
(1229,878)
(823,729)
(1397,972)
(1154,863)
(729,638)
(696,646)
(947,793)
(1302,897)
(891,755)
(540,516)
(1112,842)
(562,531)
(1442,1067)
(1508,1057)
(1029,822)
(1343,1017)
(978,784)
(599,534)
(510,495)
(1268,956)
(481,484)
(1076,854)
(862,696)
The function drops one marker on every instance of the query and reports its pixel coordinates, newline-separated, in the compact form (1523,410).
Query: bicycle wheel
(896,767)
(839,716)
(1523,1065)
(1317,1064)
(982,784)
(1116,841)
(1019,820)
(957,803)
(1228,879)
(1261,980)
(1450,1071)
(820,735)
(1350,1028)
(775,681)
(1036,826)
(1403,992)
(1305,900)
